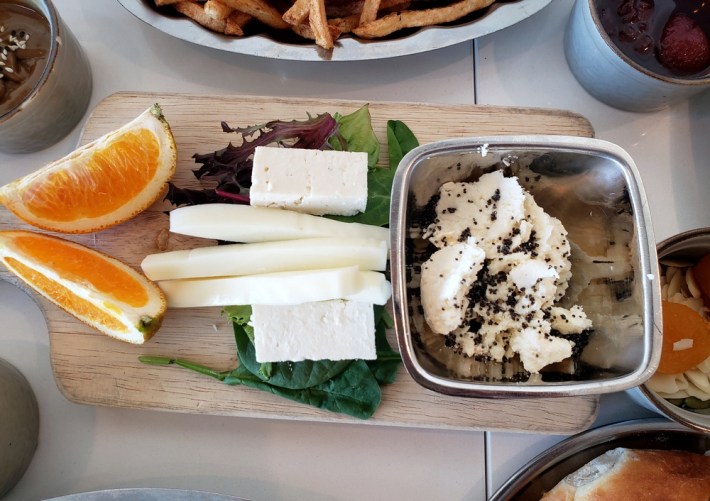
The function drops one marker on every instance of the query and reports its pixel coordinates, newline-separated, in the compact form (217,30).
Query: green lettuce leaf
(356,129)
(353,392)
(385,367)
(400,141)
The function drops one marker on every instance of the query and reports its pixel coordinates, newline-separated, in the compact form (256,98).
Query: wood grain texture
(93,369)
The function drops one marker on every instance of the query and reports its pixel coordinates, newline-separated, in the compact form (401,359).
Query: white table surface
(86,448)
(670,149)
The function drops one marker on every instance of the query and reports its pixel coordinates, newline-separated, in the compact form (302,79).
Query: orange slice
(97,289)
(101,184)
(682,324)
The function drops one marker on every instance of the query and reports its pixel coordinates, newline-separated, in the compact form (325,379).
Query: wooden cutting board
(93,369)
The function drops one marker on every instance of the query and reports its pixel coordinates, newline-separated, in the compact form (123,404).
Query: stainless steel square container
(594,189)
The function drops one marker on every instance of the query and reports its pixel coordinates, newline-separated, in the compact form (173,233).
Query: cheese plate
(93,369)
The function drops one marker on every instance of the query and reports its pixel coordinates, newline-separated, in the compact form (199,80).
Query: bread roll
(637,475)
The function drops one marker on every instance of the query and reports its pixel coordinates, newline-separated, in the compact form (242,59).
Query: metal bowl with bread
(567,460)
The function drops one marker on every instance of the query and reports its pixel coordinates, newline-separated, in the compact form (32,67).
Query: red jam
(669,37)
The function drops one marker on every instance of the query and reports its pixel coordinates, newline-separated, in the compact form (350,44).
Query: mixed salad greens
(349,386)
(230,168)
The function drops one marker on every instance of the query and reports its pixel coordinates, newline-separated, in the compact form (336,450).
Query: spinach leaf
(291,375)
(354,391)
(185,364)
(383,316)
(356,130)
(239,314)
(400,141)
(384,368)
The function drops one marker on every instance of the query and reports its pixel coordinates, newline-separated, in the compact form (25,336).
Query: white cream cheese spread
(501,266)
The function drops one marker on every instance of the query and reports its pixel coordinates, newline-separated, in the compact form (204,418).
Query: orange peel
(97,289)
(101,184)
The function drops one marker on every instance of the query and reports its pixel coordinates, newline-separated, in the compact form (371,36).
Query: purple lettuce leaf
(230,167)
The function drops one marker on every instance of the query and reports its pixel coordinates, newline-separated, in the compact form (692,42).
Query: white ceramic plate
(496,17)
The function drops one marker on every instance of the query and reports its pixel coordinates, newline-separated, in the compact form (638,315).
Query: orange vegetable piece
(682,322)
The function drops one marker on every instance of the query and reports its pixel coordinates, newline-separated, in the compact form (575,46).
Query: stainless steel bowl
(687,246)
(589,185)
(546,470)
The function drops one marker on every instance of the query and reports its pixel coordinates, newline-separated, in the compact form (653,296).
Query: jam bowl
(508,337)
(640,55)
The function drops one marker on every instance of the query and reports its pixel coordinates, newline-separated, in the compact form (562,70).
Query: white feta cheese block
(310,181)
(292,287)
(325,330)
(244,223)
(267,257)
(446,279)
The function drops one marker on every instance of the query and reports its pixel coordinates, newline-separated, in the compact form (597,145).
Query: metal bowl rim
(563,450)
(349,49)
(659,403)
